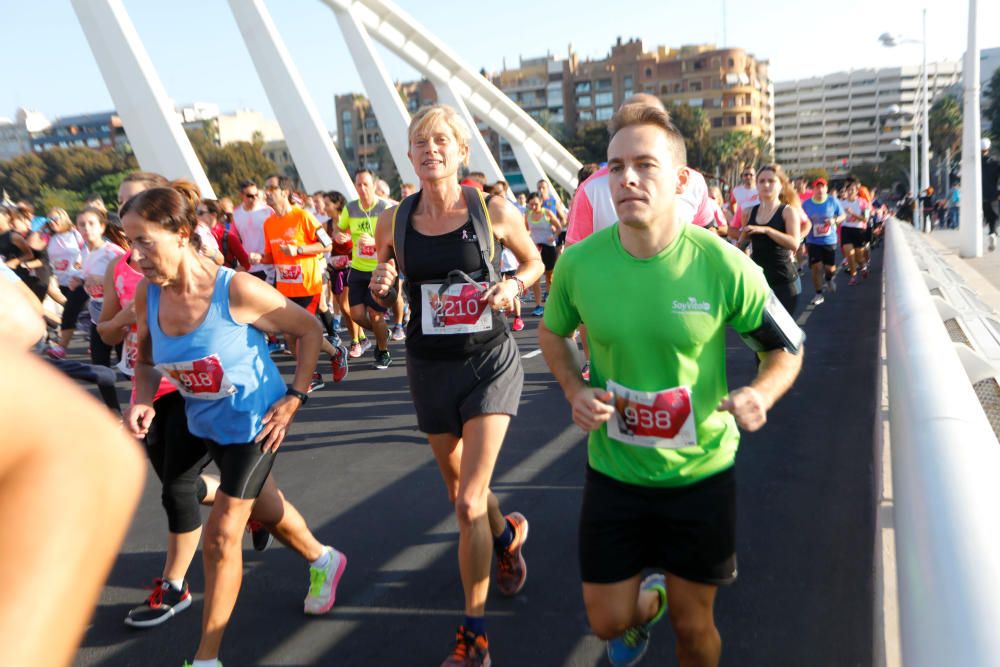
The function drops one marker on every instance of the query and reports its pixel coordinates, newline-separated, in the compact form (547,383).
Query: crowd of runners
(194,299)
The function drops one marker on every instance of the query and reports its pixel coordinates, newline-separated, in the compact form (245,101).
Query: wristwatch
(303,397)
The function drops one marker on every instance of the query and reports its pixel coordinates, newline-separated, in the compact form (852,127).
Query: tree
(812,174)
(693,124)
(736,150)
(69,200)
(991,112)
(589,142)
(945,126)
(23,176)
(227,165)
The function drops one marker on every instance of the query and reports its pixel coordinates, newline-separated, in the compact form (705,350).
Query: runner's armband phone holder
(777,331)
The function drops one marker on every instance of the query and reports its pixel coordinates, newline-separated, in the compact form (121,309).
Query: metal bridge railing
(945,475)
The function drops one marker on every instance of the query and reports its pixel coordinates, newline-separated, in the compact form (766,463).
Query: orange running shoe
(470,650)
(511,568)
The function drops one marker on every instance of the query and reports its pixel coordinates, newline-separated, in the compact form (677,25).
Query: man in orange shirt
(292,240)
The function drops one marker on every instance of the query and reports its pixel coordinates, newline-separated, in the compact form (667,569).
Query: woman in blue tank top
(203,327)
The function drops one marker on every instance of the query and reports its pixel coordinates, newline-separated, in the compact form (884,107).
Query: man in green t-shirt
(359,218)
(660,490)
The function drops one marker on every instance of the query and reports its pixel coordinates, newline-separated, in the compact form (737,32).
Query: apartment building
(840,120)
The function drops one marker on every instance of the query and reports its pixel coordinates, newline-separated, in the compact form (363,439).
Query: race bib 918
(457,311)
(202,378)
(652,419)
(130,352)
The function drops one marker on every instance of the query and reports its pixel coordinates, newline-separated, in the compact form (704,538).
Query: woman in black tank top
(772,229)
(462,363)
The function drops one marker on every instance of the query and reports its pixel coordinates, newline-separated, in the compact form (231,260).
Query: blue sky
(198,53)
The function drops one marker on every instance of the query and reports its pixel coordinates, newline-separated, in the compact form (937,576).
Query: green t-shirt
(361,222)
(657,324)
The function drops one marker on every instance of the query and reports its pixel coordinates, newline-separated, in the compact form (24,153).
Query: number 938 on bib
(652,418)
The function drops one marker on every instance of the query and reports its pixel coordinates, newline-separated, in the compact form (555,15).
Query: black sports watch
(303,397)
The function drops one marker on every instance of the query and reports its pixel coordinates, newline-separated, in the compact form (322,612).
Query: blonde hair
(443,114)
(787,195)
(59,215)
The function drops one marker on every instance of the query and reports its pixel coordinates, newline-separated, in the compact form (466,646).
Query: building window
(731,63)
(370,123)
(664,89)
(583,87)
(696,102)
(717,122)
(649,72)
(694,86)
(604,98)
(586,115)
(345,116)
(603,84)
(604,113)
(584,101)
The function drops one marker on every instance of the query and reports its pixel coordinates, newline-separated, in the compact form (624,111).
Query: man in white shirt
(248,218)
(742,198)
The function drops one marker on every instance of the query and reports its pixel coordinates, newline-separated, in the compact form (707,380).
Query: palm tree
(945,125)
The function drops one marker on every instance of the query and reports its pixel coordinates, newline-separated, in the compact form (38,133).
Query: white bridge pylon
(161,145)
(537,152)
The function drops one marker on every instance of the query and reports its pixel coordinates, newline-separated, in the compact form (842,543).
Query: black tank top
(777,262)
(428,260)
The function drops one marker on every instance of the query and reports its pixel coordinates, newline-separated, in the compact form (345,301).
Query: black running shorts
(446,394)
(822,254)
(243,469)
(359,292)
(688,531)
(853,236)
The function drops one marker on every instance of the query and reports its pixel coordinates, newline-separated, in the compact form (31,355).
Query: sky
(196,47)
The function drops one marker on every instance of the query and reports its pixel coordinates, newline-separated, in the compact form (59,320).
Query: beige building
(359,137)
(732,86)
(226,128)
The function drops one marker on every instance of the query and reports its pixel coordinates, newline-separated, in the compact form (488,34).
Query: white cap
(985,144)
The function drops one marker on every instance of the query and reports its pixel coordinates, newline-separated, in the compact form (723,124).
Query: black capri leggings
(76,299)
(788,295)
(178,459)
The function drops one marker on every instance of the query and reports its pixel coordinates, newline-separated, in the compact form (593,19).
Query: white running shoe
(323,583)
(817,300)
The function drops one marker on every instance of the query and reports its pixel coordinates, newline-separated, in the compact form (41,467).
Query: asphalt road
(365,480)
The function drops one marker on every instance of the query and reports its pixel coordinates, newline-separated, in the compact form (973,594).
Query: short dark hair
(284,182)
(364,170)
(644,114)
(247,182)
(586,171)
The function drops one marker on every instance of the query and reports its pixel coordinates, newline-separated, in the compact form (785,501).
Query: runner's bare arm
(114,319)
(384,284)
(789,238)
(139,415)
(68,487)
(591,407)
(511,229)
(21,323)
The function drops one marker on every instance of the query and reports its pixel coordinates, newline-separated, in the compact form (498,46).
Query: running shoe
(398,333)
(628,649)
(470,650)
(56,351)
(315,383)
(518,324)
(339,364)
(355,351)
(993,242)
(831,286)
(323,583)
(585,372)
(163,603)
(864,271)
(382,359)
(817,300)
(218,663)
(259,535)
(366,345)
(538,311)
(512,571)
(853,280)
(333,339)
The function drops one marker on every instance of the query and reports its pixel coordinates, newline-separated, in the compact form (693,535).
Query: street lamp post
(890,40)
(970,224)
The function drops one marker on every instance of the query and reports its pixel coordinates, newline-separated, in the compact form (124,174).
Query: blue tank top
(222,369)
